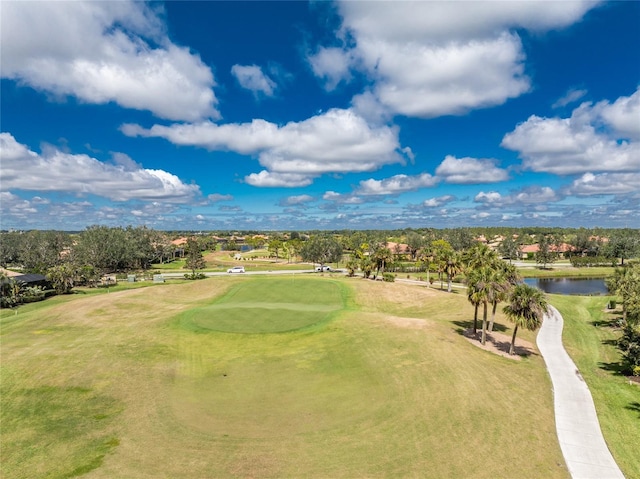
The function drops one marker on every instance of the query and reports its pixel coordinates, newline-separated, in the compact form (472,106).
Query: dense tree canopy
(321,249)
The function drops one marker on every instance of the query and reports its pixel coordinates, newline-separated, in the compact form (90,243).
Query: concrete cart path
(583,447)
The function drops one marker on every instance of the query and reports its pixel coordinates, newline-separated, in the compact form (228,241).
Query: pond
(567,286)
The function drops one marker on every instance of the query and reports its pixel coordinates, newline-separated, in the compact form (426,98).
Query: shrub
(194,276)
(629,346)
(388,277)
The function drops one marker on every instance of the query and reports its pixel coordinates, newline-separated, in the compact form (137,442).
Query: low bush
(194,276)
(388,277)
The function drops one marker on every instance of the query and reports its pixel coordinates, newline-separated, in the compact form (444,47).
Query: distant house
(31,280)
(531,249)
(179,245)
(398,248)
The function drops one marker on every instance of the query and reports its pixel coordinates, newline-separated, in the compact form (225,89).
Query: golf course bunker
(267,305)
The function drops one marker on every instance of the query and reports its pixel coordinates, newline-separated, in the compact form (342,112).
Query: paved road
(209,274)
(585,452)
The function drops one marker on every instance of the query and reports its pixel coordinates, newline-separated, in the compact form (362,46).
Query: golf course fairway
(269,377)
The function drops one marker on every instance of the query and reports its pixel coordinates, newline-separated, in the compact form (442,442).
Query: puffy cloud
(340,198)
(54,170)
(216,197)
(491,197)
(104,52)
(531,195)
(623,116)
(605,184)
(445,21)
(277,180)
(13,205)
(437,201)
(470,171)
(332,65)
(396,184)
(428,59)
(592,139)
(337,141)
(252,78)
(428,81)
(297,200)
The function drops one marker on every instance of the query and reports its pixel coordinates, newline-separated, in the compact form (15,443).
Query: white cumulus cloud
(396,184)
(427,59)
(470,171)
(55,170)
(605,184)
(296,200)
(253,78)
(337,141)
(268,179)
(531,195)
(437,201)
(600,137)
(102,52)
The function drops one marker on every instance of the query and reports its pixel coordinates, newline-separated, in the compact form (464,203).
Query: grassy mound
(276,306)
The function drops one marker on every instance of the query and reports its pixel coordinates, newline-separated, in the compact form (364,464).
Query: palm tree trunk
(493,316)
(475,320)
(448,283)
(484,324)
(512,348)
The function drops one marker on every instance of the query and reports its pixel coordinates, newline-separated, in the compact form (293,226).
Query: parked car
(323,268)
(236,269)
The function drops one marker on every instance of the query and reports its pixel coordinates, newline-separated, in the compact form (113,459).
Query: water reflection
(580,286)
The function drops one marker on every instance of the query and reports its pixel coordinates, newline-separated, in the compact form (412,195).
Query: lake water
(580,286)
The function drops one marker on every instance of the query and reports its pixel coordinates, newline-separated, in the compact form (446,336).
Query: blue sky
(294,115)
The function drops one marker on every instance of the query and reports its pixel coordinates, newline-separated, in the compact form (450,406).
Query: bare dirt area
(499,344)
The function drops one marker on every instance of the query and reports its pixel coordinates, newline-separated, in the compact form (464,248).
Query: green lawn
(588,337)
(558,271)
(378,383)
(260,306)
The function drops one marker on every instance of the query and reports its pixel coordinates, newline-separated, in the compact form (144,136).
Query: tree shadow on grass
(616,368)
(496,341)
(465,325)
(613,323)
(634,406)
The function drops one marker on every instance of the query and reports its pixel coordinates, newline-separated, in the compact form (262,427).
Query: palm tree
(479,255)
(427,256)
(382,257)
(452,265)
(505,279)
(474,295)
(526,308)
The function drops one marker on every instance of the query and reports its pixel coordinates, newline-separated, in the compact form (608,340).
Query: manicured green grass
(259,306)
(588,337)
(385,386)
(566,272)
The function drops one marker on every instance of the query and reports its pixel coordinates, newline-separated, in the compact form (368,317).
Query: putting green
(267,305)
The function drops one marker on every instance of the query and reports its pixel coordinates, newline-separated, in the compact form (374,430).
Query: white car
(236,269)
(323,268)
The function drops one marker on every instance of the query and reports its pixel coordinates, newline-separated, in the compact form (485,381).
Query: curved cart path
(585,452)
